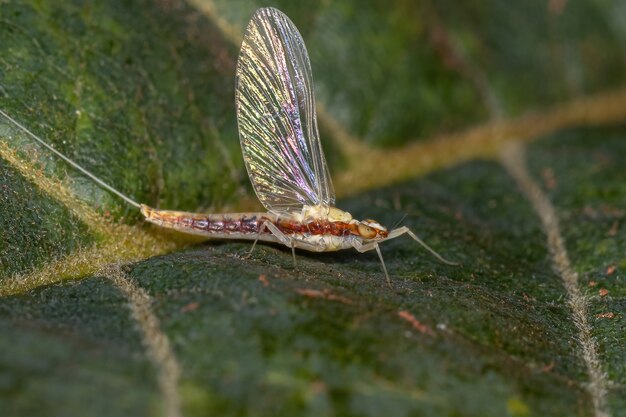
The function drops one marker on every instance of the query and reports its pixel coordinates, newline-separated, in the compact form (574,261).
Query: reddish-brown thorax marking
(319,228)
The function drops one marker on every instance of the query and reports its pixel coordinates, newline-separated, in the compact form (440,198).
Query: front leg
(405,230)
(362,248)
(372,246)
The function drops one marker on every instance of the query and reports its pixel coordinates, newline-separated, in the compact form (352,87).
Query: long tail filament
(72,163)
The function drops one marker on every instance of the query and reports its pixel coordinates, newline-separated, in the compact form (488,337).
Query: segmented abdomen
(219,225)
(246,225)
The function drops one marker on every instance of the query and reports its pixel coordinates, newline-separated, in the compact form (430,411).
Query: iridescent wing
(276,116)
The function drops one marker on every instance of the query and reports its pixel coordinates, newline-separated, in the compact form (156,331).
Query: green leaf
(104,315)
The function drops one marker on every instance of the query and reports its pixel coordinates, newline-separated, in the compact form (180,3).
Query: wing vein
(276,116)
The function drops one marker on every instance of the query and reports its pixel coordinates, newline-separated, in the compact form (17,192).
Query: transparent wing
(276,116)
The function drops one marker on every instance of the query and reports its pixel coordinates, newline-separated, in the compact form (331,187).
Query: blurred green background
(142,94)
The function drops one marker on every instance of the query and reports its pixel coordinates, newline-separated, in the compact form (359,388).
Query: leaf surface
(96,305)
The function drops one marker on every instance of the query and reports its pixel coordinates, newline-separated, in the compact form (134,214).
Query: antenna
(72,163)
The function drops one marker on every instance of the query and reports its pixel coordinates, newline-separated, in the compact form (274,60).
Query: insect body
(315,234)
(282,152)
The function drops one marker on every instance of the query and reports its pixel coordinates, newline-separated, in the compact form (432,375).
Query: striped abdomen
(235,225)
(322,235)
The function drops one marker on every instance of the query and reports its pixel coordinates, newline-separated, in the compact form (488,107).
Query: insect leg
(284,239)
(382,262)
(258,236)
(361,248)
(293,252)
(405,230)
(371,246)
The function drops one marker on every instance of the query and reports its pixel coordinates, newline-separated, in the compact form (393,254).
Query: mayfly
(282,153)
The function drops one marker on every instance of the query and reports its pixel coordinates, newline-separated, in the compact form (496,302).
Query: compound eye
(366,232)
